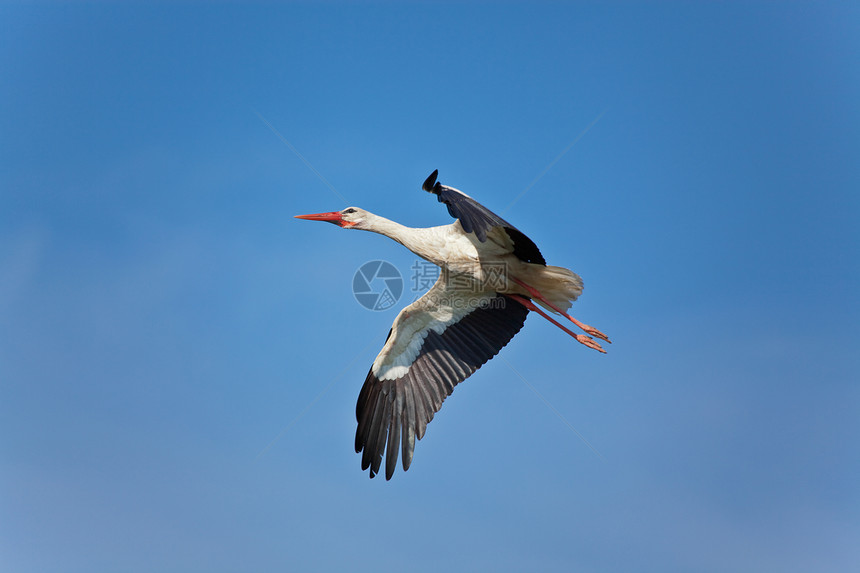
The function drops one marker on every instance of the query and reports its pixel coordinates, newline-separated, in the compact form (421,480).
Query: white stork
(490,273)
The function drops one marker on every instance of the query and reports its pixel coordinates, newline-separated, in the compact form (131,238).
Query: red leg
(536,294)
(581,338)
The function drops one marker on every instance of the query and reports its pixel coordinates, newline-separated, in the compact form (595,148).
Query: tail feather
(559,285)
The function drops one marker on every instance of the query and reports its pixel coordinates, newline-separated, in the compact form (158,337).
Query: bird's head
(349,218)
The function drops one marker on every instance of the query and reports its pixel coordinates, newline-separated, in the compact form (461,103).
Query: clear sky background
(180,358)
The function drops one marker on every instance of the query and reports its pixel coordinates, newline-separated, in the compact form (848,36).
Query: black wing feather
(475,218)
(410,427)
(398,411)
(394,433)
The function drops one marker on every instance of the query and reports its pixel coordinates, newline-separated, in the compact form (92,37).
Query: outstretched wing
(475,218)
(434,344)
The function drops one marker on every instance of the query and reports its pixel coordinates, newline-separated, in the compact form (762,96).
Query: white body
(491,263)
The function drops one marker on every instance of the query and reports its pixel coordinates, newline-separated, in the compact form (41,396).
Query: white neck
(414,239)
(387,227)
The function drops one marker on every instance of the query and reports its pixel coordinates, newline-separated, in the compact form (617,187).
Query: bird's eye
(350,210)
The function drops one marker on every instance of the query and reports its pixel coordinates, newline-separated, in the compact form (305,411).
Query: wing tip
(430,184)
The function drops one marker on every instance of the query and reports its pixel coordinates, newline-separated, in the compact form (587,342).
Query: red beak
(333,217)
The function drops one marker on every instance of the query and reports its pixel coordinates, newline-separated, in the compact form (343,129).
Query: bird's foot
(589,342)
(593,332)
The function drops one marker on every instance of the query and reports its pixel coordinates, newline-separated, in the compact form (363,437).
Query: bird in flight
(492,276)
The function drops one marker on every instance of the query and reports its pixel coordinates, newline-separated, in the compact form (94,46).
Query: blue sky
(180,358)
